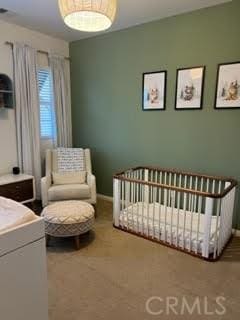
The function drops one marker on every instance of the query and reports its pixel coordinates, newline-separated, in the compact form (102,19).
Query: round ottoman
(68,219)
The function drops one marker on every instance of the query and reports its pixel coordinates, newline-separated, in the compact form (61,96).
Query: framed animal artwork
(228,86)
(154,91)
(189,88)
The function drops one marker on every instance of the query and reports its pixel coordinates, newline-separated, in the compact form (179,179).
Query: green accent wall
(106,75)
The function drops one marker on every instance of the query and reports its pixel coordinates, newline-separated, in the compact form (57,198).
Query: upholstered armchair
(60,186)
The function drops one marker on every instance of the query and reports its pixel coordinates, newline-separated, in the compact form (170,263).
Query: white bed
(13,214)
(23,274)
(174,226)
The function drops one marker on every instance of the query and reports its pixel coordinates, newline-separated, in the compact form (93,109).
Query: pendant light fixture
(88,15)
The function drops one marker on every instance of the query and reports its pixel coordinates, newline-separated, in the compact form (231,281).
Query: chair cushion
(69,192)
(69,177)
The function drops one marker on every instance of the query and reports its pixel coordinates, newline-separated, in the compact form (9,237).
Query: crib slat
(193,212)
(217,222)
(148,214)
(217,229)
(142,211)
(123,201)
(127,200)
(191,219)
(185,211)
(146,188)
(156,176)
(169,183)
(208,185)
(147,197)
(132,202)
(159,211)
(196,188)
(199,211)
(150,180)
(190,187)
(131,186)
(117,201)
(213,186)
(172,204)
(135,200)
(165,207)
(178,209)
(198,222)
(154,211)
(207,227)
(172,200)
(180,181)
(175,180)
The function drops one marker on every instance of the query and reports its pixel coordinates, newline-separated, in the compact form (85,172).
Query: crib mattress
(13,214)
(176,227)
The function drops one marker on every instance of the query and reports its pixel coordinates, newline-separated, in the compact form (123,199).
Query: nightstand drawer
(18,191)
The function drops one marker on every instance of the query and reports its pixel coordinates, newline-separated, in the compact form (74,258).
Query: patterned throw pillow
(70,160)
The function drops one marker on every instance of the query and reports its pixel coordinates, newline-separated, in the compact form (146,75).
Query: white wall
(10,32)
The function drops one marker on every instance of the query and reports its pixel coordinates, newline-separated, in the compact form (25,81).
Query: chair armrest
(91,181)
(46,183)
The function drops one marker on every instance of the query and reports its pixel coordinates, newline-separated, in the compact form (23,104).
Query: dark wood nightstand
(20,187)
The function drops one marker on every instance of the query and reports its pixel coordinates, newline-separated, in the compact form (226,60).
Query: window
(47,116)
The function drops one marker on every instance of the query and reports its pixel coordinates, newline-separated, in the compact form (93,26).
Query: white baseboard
(103,197)
(236,233)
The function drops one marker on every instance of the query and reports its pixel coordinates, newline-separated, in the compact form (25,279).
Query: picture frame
(154,88)
(190,88)
(228,86)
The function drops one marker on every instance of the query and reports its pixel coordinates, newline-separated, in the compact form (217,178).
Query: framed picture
(189,88)
(228,86)
(154,91)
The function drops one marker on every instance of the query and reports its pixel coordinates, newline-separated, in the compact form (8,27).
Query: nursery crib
(189,212)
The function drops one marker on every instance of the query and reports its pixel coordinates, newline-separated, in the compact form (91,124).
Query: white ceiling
(44,16)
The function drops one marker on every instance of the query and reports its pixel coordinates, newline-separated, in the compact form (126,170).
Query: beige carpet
(114,274)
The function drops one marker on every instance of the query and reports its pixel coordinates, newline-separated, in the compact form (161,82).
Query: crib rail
(205,185)
(191,212)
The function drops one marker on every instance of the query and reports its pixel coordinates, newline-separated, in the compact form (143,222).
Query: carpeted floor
(114,275)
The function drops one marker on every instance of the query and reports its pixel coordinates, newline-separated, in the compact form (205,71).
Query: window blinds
(46,99)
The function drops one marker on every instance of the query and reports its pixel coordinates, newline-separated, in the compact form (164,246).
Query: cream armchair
(59,192)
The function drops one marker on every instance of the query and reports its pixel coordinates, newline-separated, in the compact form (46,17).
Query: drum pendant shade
(88,15)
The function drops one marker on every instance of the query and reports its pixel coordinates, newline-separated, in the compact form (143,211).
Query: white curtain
(61,87)
(27,111)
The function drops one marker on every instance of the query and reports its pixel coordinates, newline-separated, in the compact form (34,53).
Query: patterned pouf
(68,219)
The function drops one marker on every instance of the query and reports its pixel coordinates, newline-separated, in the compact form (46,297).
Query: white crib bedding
(155,221)
(13,214)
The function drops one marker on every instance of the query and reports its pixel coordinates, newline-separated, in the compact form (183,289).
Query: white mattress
(13,214)
(155,221)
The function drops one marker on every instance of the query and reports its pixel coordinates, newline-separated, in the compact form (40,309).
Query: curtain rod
(39,51)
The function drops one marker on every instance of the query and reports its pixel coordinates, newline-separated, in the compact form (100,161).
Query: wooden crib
(189,212)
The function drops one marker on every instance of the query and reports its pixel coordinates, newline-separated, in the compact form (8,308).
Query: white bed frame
(23,273)
(189,212)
